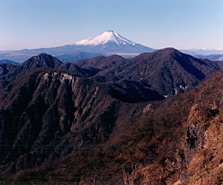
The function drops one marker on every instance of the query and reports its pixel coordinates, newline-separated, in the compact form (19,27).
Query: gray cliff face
(194,141)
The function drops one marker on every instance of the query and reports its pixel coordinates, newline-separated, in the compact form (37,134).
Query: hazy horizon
(157,24)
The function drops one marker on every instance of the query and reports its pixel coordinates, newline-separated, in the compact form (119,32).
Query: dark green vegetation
(107,119)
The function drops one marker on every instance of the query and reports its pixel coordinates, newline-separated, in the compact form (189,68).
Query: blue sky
(182,24)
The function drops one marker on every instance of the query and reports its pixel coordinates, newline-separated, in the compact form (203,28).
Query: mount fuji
(106,37)
(106,43)
(110,42)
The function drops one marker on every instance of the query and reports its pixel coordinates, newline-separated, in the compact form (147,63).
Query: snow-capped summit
(106,37)
(110,42)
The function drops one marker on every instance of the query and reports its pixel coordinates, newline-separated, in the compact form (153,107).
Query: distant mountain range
(4,61)
(195,52)
(211,57)
(106,43)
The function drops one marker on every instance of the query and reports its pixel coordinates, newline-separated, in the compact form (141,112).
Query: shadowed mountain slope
(46,109)
(167,71)
(75,56)
(102,62)
(45,115)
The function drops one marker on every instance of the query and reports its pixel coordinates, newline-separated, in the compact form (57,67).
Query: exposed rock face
(195,138)
(204,160)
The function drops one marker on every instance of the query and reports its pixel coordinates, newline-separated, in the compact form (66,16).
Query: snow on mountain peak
(105,37)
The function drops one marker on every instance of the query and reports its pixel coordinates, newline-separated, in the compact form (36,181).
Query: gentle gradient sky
(182,24)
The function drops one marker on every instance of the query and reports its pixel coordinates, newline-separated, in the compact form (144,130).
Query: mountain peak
(169,51)
(41,60)
(108,36)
